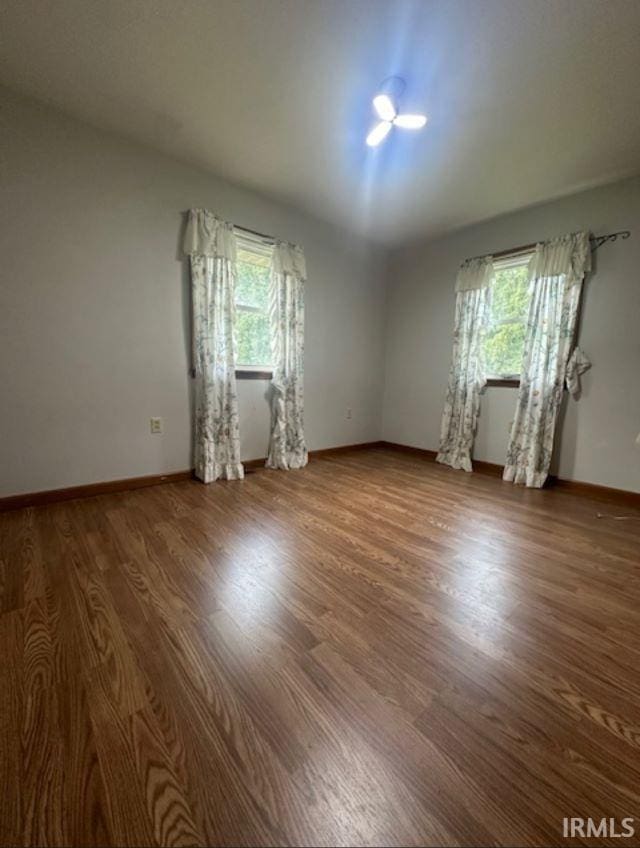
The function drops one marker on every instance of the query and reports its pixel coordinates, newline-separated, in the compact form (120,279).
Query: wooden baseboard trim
(110,486)
(421,453)
(323,453)
(623,497)
(575,487)
(105,488)
(252,464)
(491,468)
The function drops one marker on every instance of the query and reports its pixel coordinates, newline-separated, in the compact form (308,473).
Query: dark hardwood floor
(372,651)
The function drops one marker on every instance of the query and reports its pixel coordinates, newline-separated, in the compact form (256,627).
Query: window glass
(509,302)
(252,310)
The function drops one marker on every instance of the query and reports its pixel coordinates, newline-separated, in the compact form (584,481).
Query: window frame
(257,247)
(514,260)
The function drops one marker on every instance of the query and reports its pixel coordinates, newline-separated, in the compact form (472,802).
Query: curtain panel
(556,271)
(287,446)
(211,246)
(466,375)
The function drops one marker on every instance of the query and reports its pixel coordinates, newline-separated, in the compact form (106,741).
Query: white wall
(596,442)
(94,308)
(94,317)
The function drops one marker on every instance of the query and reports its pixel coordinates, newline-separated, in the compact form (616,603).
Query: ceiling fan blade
(410,122)
(384,107)
(378,133)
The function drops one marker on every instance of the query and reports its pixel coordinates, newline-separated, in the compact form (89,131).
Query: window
(253,334)
(508,305)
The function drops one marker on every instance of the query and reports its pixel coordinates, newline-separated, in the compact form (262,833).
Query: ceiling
(527,99)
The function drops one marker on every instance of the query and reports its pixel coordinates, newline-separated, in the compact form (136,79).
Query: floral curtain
(556,272)
(466,376)
(211,245)
(287,447)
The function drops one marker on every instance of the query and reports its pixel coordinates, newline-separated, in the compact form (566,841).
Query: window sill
(510,384)
(246,374)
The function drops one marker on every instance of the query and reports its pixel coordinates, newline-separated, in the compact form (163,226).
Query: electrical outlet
(349,415)
(155,425)
(638,440)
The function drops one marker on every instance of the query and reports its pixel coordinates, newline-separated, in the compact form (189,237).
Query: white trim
(254,367)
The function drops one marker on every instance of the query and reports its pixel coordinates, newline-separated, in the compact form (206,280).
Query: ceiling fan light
(410,122)
(378,133)
(384,107)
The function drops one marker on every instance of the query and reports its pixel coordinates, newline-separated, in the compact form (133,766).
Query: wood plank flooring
(374,650)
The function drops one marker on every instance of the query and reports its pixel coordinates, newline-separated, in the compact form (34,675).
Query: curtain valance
(568,256)
(475,274)
(289,259)
(208,235)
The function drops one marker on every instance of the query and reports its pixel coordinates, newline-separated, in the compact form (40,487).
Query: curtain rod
(596,242)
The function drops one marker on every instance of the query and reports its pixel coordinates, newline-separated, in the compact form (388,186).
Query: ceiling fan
(388,113)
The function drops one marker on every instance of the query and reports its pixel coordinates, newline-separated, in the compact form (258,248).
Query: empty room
(319,423)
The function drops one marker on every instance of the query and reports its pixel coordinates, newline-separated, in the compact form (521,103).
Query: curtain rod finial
(598,241)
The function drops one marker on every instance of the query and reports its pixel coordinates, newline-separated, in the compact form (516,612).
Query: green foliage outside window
(252,284)
(507,319)
(252,314)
